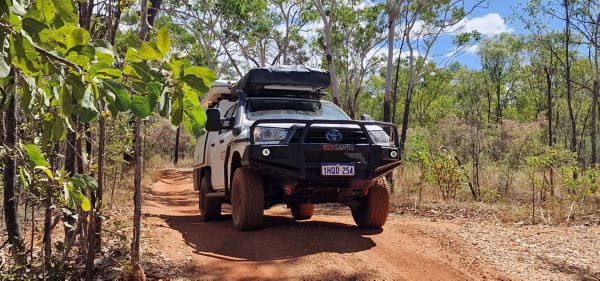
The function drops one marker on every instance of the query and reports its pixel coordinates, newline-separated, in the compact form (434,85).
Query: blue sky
(489,21)
(497,17)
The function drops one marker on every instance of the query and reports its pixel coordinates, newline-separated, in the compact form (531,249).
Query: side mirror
(213,120)
(366,117)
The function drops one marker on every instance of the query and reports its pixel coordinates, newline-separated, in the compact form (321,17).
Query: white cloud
(490,24)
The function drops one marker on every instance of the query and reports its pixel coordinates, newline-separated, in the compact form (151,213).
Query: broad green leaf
(24,56)
(66,11)
(201,72)
(140,106)
(34,29)
(154,92)
(133,41)
(77,87)
(122,101)
(80,60)
(43,10)
(45,170)
(24,180)
(163,42)
(86,206)
(35,155)
(88,111)
(143,71)
(195,85)
(191,98)
(132,55)
(146,52)
(79,36)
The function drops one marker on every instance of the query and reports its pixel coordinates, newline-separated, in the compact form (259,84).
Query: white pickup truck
(271,139)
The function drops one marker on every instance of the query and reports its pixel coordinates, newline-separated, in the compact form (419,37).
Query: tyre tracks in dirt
(179,246)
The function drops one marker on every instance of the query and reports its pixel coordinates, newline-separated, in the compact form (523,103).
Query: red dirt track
(329,246)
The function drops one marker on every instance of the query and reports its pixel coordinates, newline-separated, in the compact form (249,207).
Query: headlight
(380,137)
(269,134)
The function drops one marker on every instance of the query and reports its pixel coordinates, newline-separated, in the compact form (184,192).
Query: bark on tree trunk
(70,166)
(176,156)
(387,98)
(9,125)
(327,22)
(138,271)
(409,93)
(137,197)
(568,77)
(549,100)
(498,102)
(594,132)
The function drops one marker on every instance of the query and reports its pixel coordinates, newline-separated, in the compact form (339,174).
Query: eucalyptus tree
(326,12)
(498,59)
(392,9)
(423,22)
(586,21)
(358,39)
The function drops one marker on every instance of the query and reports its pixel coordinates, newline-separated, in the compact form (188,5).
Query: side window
(229,109)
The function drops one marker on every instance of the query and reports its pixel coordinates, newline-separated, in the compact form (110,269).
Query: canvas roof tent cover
(217,90)
(273,79)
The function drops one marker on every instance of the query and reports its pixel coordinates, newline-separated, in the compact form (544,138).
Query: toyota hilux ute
(271,139)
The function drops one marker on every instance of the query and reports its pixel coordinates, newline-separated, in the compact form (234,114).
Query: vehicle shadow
(280,238)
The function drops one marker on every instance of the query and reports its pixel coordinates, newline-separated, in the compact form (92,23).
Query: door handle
(221,141)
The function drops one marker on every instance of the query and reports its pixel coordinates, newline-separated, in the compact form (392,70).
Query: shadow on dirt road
(280,238)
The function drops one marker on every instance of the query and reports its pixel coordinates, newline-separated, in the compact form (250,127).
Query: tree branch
(57,58)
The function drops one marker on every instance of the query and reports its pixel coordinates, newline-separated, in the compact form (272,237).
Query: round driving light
(393,154)
(266,152)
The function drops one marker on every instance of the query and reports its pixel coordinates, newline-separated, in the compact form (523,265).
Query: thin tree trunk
(328,22)
(70,166)
(387,116)
(549,100)
(138,271)
(498,102)
(568,76)
(176,156)
(9,139)
(408,99)
(594,132)
(137,197)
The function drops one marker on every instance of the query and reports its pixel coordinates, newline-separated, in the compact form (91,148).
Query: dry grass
(495,205)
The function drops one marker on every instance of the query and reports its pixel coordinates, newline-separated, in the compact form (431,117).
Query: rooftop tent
(218,90)
(288,78)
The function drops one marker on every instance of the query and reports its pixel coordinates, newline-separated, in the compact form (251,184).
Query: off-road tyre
(247,199)
(373,211)
(302,211)
(210,208)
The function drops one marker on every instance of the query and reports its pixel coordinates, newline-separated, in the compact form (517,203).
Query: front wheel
(247,199)
(373,211)
(210,208)
(302,211)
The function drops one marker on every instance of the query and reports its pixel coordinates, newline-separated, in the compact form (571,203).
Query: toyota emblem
(333,136)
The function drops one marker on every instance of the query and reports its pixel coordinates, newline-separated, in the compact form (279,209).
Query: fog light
(288,189)
(266,152)
(393,154)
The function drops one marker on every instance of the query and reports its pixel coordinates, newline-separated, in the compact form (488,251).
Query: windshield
(293,109)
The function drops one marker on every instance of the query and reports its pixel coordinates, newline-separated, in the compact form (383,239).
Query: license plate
(337,169)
